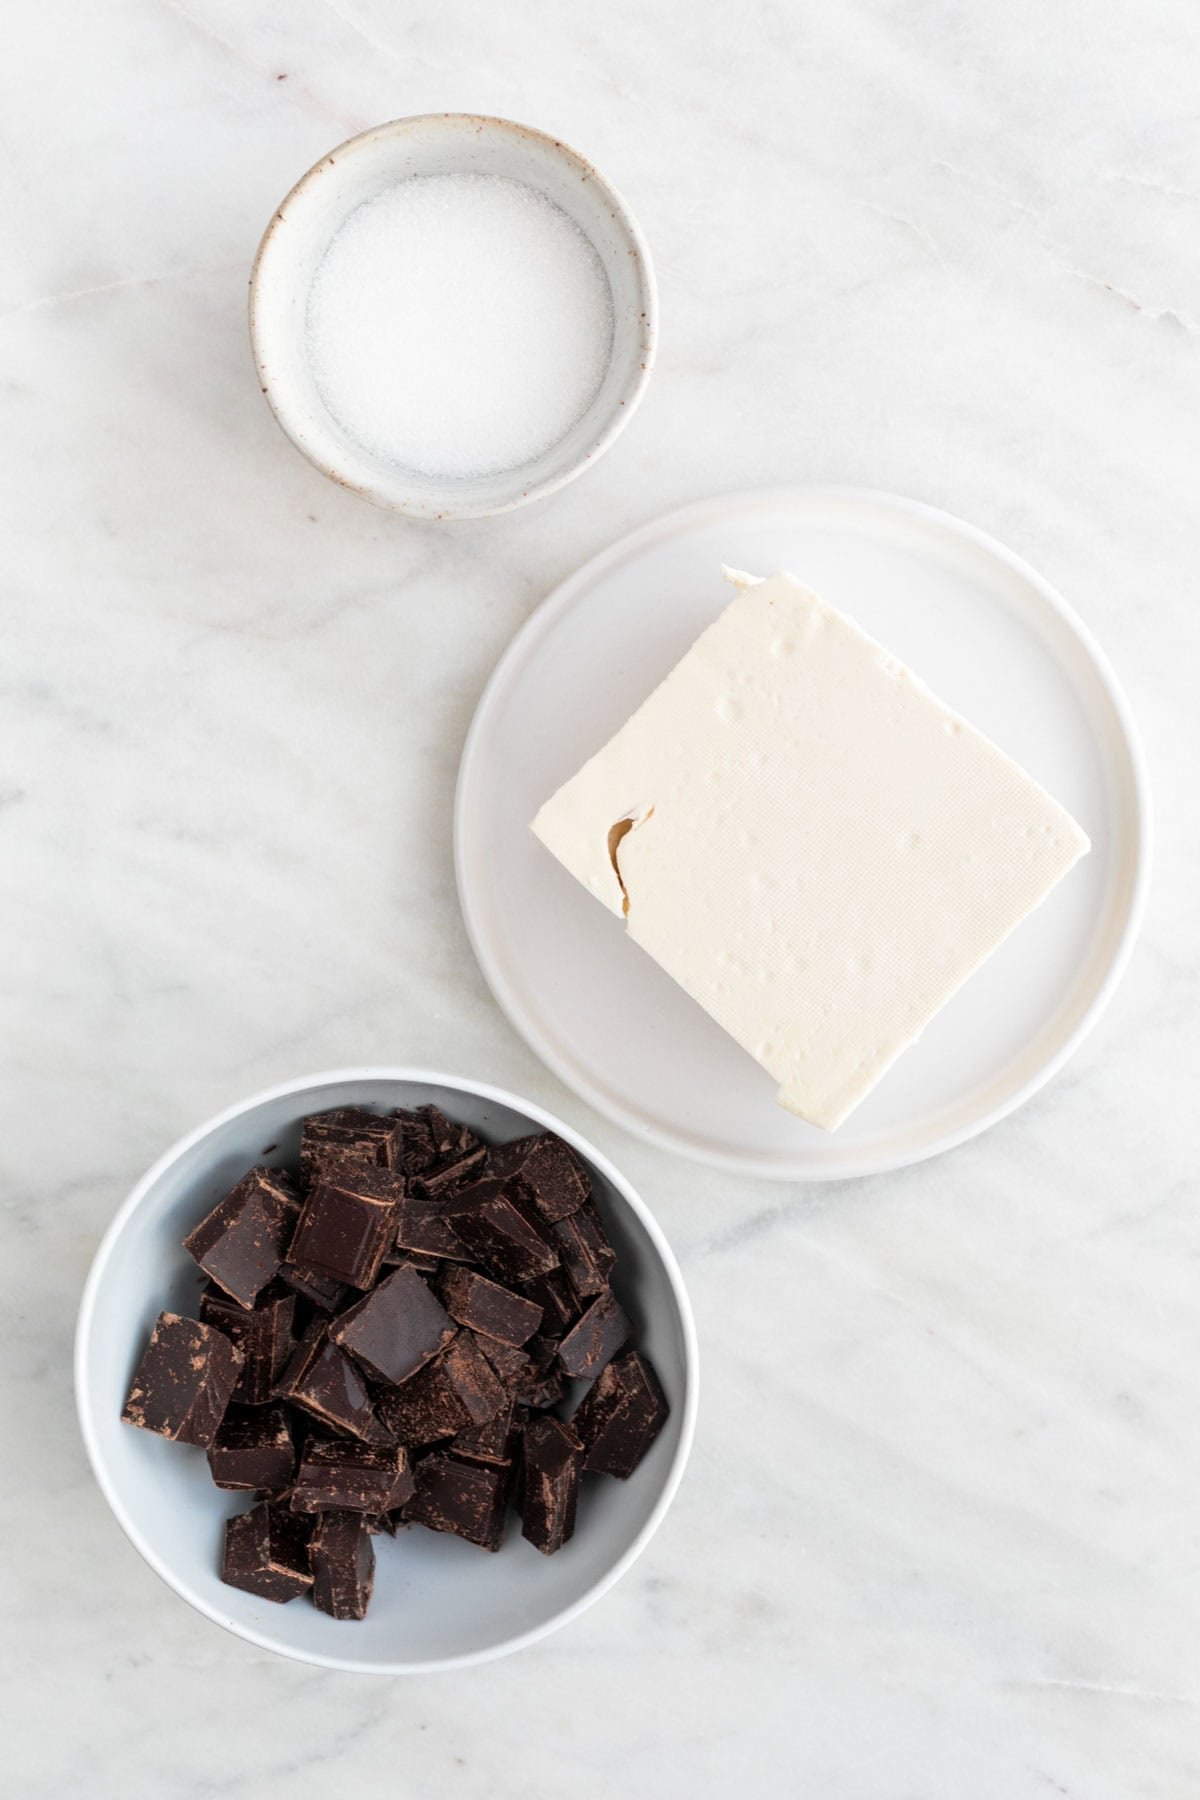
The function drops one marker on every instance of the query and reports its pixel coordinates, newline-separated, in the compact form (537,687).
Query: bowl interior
(369,165)
(437,1599)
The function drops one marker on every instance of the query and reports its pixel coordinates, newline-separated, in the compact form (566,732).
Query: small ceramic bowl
(439,1602)
(357,171)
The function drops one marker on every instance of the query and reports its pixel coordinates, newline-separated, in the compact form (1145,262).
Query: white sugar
(459,324)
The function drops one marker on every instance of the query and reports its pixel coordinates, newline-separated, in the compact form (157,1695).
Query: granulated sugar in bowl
(453,315)
(459,324)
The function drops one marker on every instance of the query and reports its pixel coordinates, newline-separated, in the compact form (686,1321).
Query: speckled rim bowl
(439,144)
(439,1603)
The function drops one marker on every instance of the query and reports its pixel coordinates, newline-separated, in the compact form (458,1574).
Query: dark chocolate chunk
(347,1476)
(417,1149)
(491,1224)
(487,1308)
(466,1498)
(512,1366)
(543,1382)
(348,1134)
(558,1300)
(551,1462)
(266,1552)
(324,1381)
(348,1222)
(412,1259)
(184,1381)
(522,1198)
(547,1389)
(421,1229)
(241,1243)
(343,1565)
(532,1375)
(444,1134)
(454,1172)
(555,1177)
(620,1416)
(428,1137)
(492,1442)
(596,1336)
(263,1335)
(396,1328)
(253,1449)
(587,1255)
(321,1291)
(458,1389)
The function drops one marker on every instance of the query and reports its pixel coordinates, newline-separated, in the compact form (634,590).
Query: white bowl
(357,171)
(439,1602)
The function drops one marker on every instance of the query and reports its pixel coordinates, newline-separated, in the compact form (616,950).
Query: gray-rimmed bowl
(438,144)
(439,1602)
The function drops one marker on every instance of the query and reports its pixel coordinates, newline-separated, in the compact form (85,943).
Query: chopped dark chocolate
(557,1299)
(183,1383)
(420,1228)
(412,1259)
(417,1148)
(491,1224)
(448,1176)
(348,1134)
(321,1291)
(324,1381)
(488,1308)
(547,1390)
(348,1222)
(532,1375)
(492,1442)
(596,1336)
(376,1523)
(253,1449)
(466,1498)
(551,1463)
(392,1332)
(343,1565)
(513,1367)
(458,1389)
(620,1416)
(263,1335)
(266,1552)
(345,1475)
(396,1328)
(444,1134)
(587,1255)
(240,1244)
(555,1177)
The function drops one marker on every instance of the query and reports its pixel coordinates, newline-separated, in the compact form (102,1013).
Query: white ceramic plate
(439,1603)
(989,635)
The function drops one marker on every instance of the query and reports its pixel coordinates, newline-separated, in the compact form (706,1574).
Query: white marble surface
(939,1538)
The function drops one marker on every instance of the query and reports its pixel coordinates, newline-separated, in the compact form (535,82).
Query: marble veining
(939,1537)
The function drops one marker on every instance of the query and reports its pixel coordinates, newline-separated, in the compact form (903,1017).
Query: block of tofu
(815,847)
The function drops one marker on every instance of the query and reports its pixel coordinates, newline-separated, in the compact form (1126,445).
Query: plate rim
(676,522)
